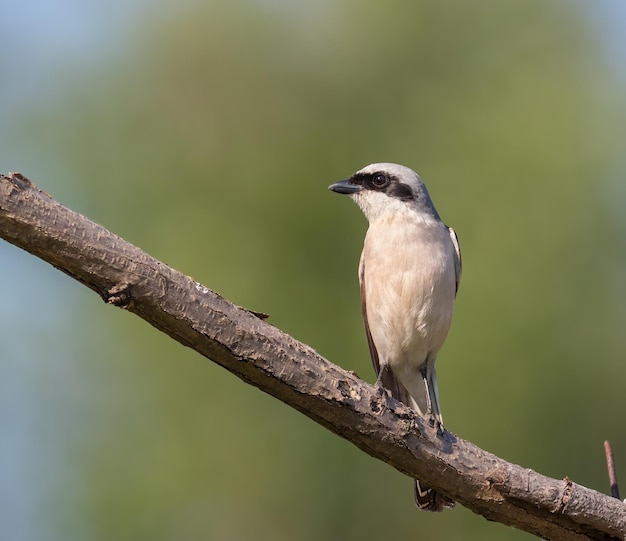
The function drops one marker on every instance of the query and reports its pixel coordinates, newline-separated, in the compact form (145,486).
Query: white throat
(377,205)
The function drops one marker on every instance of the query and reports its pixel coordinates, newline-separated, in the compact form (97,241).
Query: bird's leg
(381,390)
(380,387)
(430,414)
(429,403)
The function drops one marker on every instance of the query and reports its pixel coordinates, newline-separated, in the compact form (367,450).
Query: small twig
(610,464)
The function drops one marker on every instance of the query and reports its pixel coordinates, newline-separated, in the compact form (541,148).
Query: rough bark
(276,363)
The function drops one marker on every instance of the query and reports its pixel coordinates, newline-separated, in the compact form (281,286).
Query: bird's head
(388,188)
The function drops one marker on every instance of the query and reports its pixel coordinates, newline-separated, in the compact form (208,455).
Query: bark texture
(264,356)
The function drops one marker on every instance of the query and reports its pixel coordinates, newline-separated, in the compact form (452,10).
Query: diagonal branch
(276,363)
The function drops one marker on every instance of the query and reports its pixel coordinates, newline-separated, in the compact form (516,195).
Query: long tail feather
(429,500)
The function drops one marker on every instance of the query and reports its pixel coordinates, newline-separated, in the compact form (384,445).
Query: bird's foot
(380,389)
(383,394)
(434,422)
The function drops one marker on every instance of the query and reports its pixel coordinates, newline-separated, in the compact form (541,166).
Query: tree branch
(276,363)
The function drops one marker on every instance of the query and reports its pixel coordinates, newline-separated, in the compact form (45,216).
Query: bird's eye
(379,180)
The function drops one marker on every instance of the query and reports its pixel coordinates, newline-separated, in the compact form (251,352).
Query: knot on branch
(566,494)
(347,391)
(119,295)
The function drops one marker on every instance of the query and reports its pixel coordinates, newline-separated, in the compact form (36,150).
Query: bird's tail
(426,391)
(428,499)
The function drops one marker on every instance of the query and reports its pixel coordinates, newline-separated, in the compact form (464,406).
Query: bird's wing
(458,266)
(370,341)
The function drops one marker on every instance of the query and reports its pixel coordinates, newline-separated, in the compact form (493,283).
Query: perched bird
(409,274)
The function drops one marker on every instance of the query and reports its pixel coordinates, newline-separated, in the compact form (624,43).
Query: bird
(409,274)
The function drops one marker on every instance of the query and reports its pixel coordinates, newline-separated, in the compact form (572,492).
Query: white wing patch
(458,266)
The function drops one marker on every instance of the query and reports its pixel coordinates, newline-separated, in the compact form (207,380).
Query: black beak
(345,186)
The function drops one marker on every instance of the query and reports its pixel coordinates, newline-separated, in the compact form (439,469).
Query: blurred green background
(207,134)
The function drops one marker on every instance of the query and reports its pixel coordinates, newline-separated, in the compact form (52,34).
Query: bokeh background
(207,134)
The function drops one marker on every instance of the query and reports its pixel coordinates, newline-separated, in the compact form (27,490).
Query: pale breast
(409,278)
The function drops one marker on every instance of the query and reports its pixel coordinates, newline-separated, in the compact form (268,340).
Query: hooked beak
(345,186)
